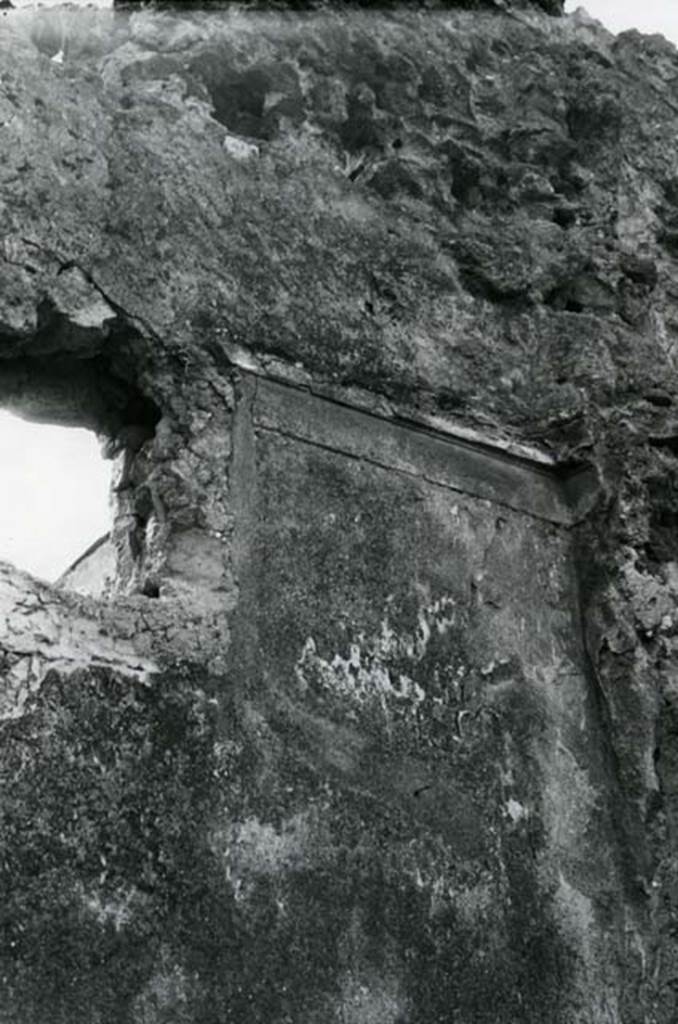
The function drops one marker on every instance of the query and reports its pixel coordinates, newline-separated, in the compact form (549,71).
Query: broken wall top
(551,6)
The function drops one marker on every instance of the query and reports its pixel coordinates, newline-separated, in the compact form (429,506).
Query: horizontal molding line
(475,468)
(359,398)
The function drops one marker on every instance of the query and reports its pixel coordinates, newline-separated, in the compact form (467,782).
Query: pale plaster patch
(369,998)
(365,992)
(117,908)
(256,847)
(569,799)
(252,848)
(516,811)
(166,995)
(363,674)
(471,903)
(577,920)
(239,148)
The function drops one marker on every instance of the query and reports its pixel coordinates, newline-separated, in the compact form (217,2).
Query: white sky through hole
(54,497)
(619,15)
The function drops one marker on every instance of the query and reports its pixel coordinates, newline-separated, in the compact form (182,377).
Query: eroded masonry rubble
(377,721)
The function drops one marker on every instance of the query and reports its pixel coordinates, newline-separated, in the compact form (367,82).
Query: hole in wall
(74,457)
(54,502)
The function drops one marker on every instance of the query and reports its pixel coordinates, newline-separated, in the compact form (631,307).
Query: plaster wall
(377,723)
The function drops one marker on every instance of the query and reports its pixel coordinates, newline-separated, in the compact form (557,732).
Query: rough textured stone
(350,739)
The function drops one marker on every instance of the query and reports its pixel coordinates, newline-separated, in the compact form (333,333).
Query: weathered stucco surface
(377,722)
